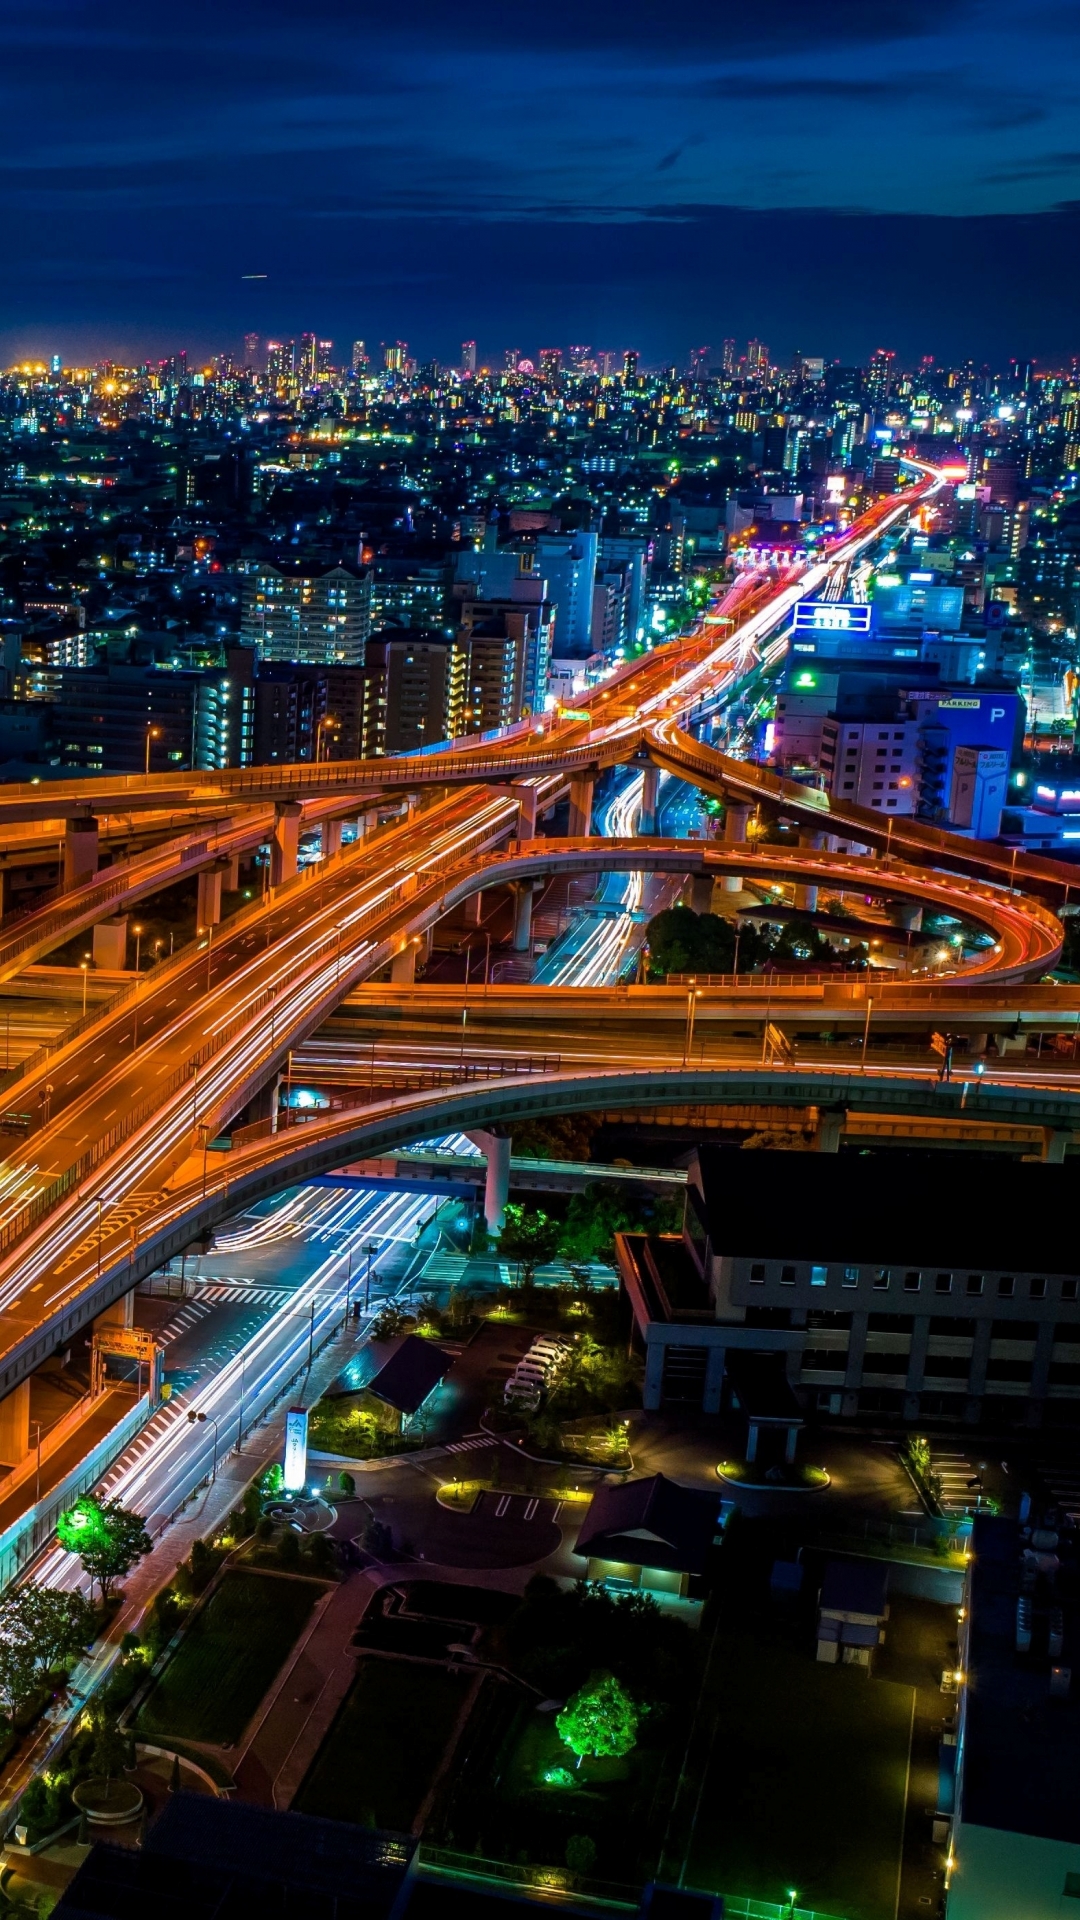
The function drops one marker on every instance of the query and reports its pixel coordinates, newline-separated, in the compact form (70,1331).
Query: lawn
(228,1657)
(804,1780)
(381,1755)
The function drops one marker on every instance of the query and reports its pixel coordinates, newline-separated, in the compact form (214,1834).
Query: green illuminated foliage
(600,1721)
(530,1238)
(106,1537)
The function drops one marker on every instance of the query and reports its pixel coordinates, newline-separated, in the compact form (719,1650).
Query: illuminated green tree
(600,1720)
(530,1237)
(107,1538)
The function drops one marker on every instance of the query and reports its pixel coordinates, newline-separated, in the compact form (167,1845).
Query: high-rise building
(308,359)
(757,358)
(511,356)
(468,356)
(550,362)
(359,356)
(280,362)
(414,689)
(567,561)
(507,654)
(699,362)
(251,350)
(630,364)
(319,619)
(728,356)
(879,375)
(323,350)
(394,357)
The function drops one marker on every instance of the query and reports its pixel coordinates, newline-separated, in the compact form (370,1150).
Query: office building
(318,619)
(468,357)
(121,718)
(507,650)
(307,713)
(963,1307)
(567,562)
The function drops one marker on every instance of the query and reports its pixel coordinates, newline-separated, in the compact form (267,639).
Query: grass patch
(378,1761)
(801,1753)
(349,1424)
(227,1658)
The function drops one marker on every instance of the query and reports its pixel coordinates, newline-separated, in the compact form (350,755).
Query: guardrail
(34,1529)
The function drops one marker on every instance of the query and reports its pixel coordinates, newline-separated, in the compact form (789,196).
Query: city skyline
(839,176)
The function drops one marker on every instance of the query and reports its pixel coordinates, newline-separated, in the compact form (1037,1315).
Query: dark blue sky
(830,177)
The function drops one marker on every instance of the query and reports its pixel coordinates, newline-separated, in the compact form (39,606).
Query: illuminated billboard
(296,1422)
(831,616)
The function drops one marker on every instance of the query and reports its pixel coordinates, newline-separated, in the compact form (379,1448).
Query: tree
(600,1720)
(57,1625)
(594,1217)
(18,1674)
(530,1237)
(580,1852)
(107,1538)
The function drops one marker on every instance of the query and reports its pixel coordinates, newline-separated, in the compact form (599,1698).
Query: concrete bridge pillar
(827,1133)
(701,892)
(496,1149)
(403,966)
(1056,1142)
(806,893)
(15,1425)
(581,804)
(331,838)
(650,794)
(209,904)
(110,944)
(286,842)
(736,820)
(470,912)
(120,1314)
(80,851)
(523,906)
(909,915)
(526,799)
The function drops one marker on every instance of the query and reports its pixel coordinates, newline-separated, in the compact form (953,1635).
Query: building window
(881,1278)
(787,1276)
(912,1282)
(943,1283)
(818,1276)
(757,1272)
(1068,1289)
(1038,1289)
(1006,1286)
(851,1277)
(974,1283)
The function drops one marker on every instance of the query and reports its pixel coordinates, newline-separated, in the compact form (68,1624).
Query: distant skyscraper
(511,356)
(608,364)
(728,356)
(468,356)
(251,350)
(757,358)
(699,362)
(550,362)
(879,374)
(323,350)
(280,361)
(394,357)
(630,364)
(359,356)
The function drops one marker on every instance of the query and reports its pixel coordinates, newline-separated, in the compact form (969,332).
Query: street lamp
(371,1249)
(193,1419)
(84,967)
(152,733)
(326,721)
(138,932)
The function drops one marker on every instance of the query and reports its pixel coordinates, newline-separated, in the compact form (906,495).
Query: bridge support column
(470,912)
(909,915)
(830,1126)
(526,799)
(110,944)
(714,1380)
(230,868)
(120,1314)
(1056,1142)
(80,851)
(581,804)
(331,838)
(701,892)
(496,1150)
(736,820)
(806,894)
(403,966)
(650,794)
(209,905)
(523,906)
(15,1425)
(286,842)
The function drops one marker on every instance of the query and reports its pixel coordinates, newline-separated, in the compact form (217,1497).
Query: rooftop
(1021,1747)
(650,1523)
(413,1371)
(946,1212)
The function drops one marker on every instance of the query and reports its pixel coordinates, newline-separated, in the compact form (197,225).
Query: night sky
(829,177)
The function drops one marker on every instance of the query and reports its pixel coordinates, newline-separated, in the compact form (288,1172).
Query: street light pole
(866,1032)
(371,1249)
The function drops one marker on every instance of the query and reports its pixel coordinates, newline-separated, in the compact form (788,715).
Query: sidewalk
(205,1513)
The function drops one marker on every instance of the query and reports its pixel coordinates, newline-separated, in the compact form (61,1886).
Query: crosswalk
(955,1470)
(195,1311)
(470,1443)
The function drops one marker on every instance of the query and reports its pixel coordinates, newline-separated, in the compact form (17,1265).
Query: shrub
(580,1853)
